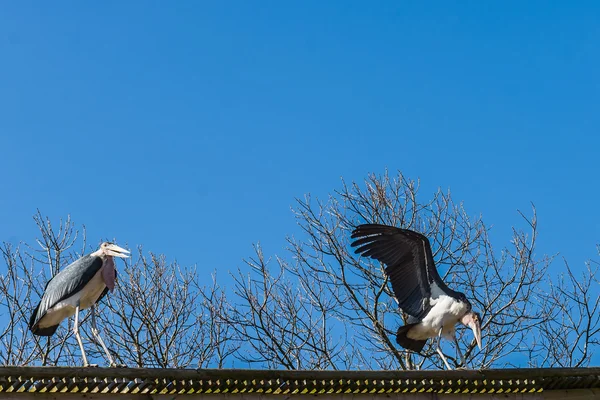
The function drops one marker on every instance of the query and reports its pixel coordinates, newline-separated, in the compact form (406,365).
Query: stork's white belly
(66,308)
(446,312)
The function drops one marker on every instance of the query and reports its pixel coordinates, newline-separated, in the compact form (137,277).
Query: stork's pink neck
(108,272)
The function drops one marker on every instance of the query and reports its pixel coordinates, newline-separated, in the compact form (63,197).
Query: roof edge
(289,382)
(186,373)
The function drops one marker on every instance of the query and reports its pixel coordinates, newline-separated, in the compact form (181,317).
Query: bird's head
(111,249)
(472,320)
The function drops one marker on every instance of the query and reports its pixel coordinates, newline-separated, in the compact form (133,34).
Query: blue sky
(191,126)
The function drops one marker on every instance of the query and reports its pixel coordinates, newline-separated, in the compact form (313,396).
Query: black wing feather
(67,282)
(409,264)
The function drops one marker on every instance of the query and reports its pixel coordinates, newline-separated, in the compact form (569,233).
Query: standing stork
(78,286)
(433,307)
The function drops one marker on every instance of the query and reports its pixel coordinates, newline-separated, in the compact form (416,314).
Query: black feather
(408,263)
(403,340)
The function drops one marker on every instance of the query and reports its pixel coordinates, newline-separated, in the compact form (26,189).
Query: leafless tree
(323,307)
(159,315)
(28,268)
(281,322)
(317,305)
(569,335)
(162,316)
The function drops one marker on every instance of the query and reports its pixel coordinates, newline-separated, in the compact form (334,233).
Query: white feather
(446,311)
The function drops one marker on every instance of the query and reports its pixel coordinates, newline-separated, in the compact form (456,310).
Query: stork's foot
(115,365)
(87,365)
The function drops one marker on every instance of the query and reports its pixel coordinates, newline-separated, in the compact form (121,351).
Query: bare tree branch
(317,305)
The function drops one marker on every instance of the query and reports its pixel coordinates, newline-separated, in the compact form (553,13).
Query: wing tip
(371,229)
(363,230)
(34,324)
(48,331)
(411,344)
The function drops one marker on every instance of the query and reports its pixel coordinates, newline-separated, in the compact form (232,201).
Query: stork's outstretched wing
(409,264)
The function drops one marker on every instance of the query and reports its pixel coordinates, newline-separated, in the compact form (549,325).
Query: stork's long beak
(476,327)
(116,251)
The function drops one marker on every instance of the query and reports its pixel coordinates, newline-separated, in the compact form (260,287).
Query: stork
(433,307)
(80,285)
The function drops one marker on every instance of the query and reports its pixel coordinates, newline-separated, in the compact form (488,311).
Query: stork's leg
(462,357)
(76,332)
(439,349)
(96,334)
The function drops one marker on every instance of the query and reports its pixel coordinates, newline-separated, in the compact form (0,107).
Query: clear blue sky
(190,126)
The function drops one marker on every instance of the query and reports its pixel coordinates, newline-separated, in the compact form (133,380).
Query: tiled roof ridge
(182,381)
